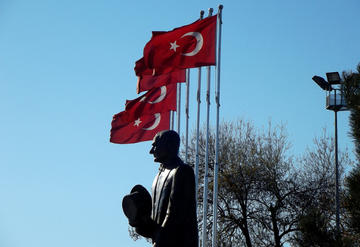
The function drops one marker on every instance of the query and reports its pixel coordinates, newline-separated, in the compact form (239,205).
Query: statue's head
(165,146)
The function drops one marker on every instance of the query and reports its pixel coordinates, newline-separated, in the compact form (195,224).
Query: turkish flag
(141,69)
(140,66)
(141,129)
(147,82)
(184,47)
(156,100)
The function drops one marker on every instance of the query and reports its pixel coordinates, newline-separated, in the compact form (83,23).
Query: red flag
(141,69)
(156,100)
(147,82)
(184,47)
(143,128)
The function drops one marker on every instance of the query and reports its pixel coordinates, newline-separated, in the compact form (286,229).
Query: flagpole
(206,172)
(217,99)
(187,114)
(178,107)
(172,120)
(198,130)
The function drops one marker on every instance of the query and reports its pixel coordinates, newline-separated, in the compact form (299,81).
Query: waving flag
(147,82)
(156,100)
(184,47)
(141,69)
(141,129)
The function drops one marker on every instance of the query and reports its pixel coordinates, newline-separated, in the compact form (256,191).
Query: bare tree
(264,191)
(257,185)
(317,220)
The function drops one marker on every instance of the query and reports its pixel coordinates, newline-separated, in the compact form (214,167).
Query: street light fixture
(322,83)
(333,77)
(335,101)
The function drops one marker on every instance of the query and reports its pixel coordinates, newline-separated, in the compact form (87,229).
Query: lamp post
(334,102)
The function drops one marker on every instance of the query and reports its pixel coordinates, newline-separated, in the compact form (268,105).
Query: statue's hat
(137,204)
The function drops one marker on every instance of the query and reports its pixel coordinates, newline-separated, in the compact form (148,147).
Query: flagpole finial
(202,12)
(220,13)
(211,10)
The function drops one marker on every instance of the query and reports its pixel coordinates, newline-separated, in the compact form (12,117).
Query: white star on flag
(137,122)
(173,46)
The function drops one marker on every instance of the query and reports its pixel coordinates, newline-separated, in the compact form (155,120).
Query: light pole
(334,102)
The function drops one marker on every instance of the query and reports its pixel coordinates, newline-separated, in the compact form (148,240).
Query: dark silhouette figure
(172,221)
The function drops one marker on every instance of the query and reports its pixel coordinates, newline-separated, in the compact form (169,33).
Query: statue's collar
(171,163)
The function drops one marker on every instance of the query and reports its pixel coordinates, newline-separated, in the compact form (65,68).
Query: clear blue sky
(67,66)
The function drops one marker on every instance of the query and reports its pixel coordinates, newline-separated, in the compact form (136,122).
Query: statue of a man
(172,221)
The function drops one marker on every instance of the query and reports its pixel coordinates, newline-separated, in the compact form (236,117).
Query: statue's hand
(147,228)
(134,223)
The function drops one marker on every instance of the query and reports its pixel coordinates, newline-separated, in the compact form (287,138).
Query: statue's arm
(146,230)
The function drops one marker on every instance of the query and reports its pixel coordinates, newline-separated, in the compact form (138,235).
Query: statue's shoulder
(185,168)
(185,176)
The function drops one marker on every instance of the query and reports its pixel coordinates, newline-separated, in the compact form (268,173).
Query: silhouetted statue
(168,217)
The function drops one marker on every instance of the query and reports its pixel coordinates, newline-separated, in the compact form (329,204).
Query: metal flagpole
(206,172)
(198,128)
(172,120)
(187,115)
(178,107)
(217,99)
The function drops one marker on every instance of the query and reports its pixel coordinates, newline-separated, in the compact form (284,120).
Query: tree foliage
(351,91)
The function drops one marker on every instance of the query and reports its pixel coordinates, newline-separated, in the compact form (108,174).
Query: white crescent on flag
(156,122)
(161,97)
(199,43)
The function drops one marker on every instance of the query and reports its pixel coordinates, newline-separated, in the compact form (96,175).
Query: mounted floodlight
(322,83)
(333,77)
